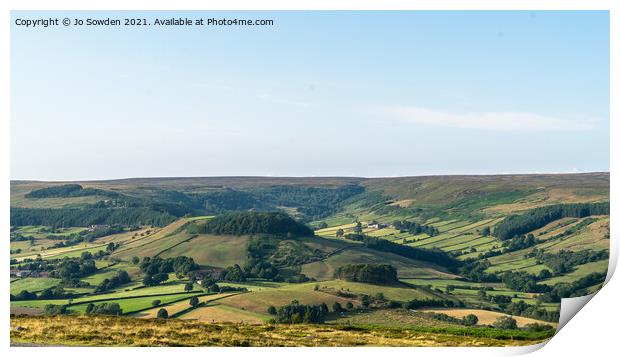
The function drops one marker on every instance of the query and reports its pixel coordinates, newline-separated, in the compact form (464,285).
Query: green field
(278,268)
(140,303)
(258,301)
(32,284)
(219,251)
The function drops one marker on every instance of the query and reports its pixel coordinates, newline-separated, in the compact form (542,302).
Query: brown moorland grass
(122,331)
(222,313)
(486,317)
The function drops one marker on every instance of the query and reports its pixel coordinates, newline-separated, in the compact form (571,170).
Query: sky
(372,94)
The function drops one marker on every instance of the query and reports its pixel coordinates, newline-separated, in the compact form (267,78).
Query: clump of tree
(576,288)
(233,274)
(521,308)
(537,327)
(57,292)
(468,320)
(564,261)
(156,269)
(367,273)
(248,223)
(524,282)
(152,280)
(296,313)
(52,309)
(106,308)
(520,242)
(505,323)
(416,304)
(23,296)
(475,270)
(68,269)
(121,277)
(515,225)
(415,229)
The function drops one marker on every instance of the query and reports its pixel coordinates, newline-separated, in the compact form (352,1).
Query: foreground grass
(123,331)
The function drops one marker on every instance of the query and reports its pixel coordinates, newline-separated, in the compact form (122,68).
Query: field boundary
(203,304)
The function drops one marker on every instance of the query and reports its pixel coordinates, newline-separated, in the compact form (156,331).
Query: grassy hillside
(460,245)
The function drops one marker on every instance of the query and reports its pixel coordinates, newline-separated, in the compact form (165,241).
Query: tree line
(84,217)
(367,273)
(576,288)
(415,228)
(435,256)
(248,223)
(296,313)
(539,217)
(69,190)
(564,261)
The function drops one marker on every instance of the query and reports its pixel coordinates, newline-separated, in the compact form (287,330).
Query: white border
(580,337)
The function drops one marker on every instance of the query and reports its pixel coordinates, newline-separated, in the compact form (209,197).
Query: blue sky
(318,94)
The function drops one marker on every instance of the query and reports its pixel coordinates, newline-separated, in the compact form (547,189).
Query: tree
(367,273)
(189,287)
(106,309)
(324,309)
(162,314)
(349,305)
(156,302)
(148,280)
(505,323)
(339,232)
(337,308)
(358,228)
(194,301)
(111,247)
(51,309)
(160,278)
(295,313)
(470,320)
(394,304)
(135,260)
(544,274)
(271,310)
(365,300)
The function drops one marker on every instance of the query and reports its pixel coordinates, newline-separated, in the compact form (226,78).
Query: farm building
(97,227)
(377,225)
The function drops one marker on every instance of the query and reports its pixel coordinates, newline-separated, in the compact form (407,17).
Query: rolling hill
(496,245)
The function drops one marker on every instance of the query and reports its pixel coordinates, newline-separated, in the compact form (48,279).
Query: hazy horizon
(318,177)
(320,93)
